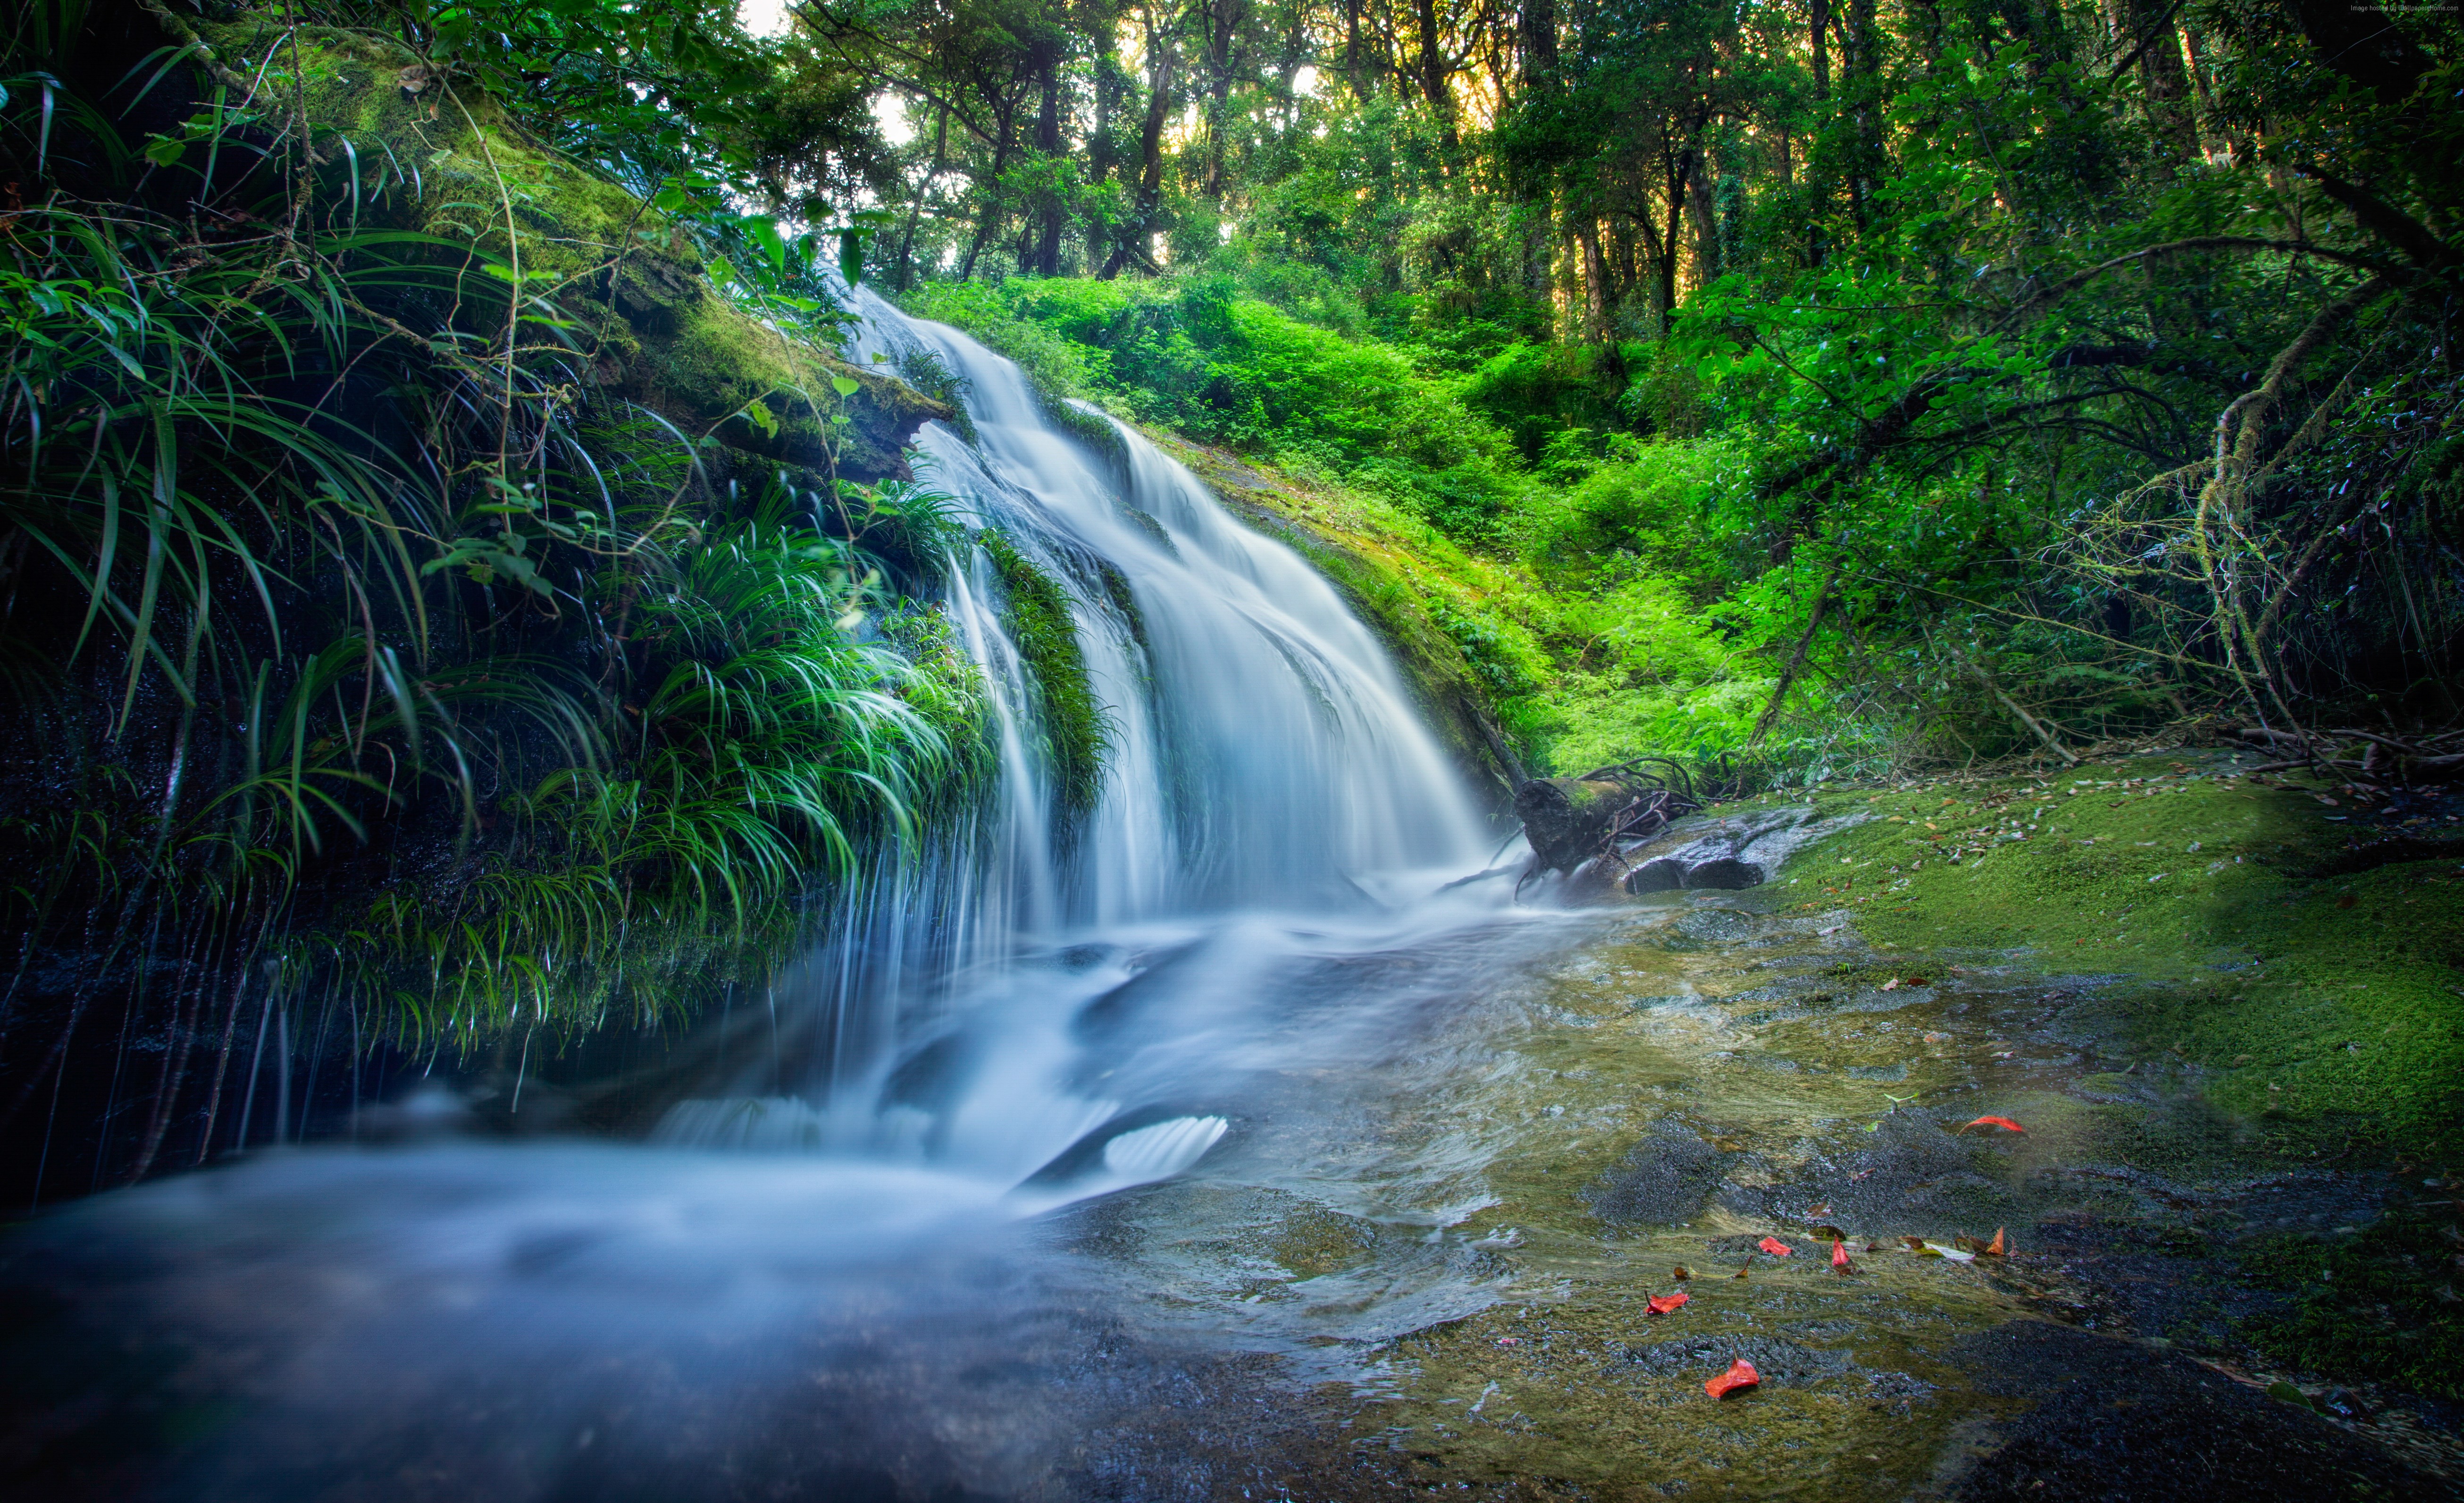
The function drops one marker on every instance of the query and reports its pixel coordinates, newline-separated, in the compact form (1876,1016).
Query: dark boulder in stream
(1740,851)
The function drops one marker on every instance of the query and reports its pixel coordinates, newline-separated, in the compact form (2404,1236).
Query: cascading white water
(836,1277)
(1264,758)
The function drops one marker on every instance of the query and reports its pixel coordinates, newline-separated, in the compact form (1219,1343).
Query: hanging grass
(421,585)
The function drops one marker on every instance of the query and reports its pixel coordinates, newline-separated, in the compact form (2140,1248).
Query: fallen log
(1570,820)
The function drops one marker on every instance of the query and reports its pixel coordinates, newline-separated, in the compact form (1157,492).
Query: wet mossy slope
(2298,950)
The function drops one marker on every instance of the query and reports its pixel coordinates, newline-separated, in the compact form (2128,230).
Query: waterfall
(973,1004)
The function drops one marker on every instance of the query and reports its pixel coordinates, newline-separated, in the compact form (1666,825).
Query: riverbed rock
(1667,1179)
(1911,1175)
(1735,852)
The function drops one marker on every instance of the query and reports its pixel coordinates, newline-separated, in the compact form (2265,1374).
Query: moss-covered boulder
(632,292)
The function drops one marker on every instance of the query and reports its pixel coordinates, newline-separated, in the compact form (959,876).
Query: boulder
(1735,851)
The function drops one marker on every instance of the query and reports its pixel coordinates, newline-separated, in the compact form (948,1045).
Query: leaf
(1935,1250)
(1777,1248)
(844,385)
(1997,1248)
(1662,1304)
(763,232)
(1995,1121)
(1682,1271)
(1741,1273)
(1839,1257)
(1741,1374)
(759,413)
(851,256)
(1827,1232)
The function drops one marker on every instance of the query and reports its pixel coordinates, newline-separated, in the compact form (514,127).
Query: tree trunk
(1044,257)
(1864,90)
(2167,83)
(1536,35)
(1596,280)
(1433,73)
(915,207)
(1820,31)
(1150,148)
(1099,148)
(1681,171)
(1353,72)
(992,215)
(1707,228)
(1219,97)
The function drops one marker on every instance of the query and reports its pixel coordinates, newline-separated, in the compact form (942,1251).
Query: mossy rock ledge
(629,279)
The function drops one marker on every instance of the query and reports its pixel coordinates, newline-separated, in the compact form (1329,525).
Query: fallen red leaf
(1741,1374)
(1995,1121)
(1839,1257)
(1775,1248)
(1662,1304)
(1998,1248)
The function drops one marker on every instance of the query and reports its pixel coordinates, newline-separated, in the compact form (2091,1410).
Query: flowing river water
(1200,1140)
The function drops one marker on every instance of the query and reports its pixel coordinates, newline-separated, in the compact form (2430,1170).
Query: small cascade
(973,1005)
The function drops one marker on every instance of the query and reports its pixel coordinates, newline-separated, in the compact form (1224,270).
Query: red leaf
(1662,1304)
(1999,1249)
(1839,1256)
(1995,1121)
(1741,1374)
(1775,1248)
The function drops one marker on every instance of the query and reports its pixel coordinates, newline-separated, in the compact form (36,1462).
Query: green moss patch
(2378,1306)
(2203,903)
(1076,730)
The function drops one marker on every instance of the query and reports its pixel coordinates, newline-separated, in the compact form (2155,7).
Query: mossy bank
(2293,946)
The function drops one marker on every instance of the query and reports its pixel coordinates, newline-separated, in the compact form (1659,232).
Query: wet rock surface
(1424,1256)
(1720,1070)
(1670,1176)
(2109,1419)
(1726,852)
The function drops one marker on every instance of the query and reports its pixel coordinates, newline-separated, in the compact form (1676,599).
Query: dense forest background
(453,595)
(1923,381)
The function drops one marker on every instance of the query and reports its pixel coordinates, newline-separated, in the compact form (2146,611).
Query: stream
(1203,1139)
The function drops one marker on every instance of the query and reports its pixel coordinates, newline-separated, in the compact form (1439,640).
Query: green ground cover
(2302,953)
